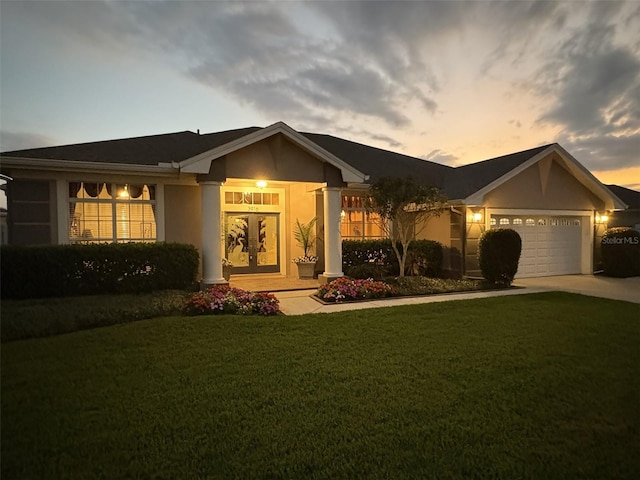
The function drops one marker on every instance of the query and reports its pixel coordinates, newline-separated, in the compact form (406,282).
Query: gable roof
(468,179)
(201,163)
(191,152)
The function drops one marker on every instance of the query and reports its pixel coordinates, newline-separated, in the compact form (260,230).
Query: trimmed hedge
(72,270)
(423,258)
(621,252)
(498,254)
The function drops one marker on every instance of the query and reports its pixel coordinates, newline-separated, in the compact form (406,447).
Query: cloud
(592,84)
(605,152)
(440,156)
(10,141)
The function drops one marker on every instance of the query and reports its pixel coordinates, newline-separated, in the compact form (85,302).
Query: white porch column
(211,234)
(332,236)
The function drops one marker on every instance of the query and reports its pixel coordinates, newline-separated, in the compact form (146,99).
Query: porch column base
(325,278)
(206,284)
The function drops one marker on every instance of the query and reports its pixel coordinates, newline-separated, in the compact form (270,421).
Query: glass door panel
(252,242)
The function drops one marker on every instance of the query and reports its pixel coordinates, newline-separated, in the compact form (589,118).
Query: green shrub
(424,256)
(44,317)
(366,270)
(498,254)
(621,252)
(72,270)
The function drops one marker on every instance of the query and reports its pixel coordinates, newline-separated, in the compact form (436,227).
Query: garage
(551,245)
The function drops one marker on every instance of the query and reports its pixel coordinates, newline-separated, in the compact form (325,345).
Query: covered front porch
(253,192)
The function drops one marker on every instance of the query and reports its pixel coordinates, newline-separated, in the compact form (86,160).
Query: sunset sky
(449,81)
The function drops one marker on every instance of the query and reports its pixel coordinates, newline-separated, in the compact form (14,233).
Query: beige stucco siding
(302,204)
(536,189)
(182,208)
(437,228)
(278,159)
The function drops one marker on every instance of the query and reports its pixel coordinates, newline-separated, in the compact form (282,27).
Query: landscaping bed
(353,290)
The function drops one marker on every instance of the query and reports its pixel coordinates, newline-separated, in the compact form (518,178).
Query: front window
(356,223)
(109,212)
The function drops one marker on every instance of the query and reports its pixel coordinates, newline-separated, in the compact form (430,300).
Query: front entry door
(252,242)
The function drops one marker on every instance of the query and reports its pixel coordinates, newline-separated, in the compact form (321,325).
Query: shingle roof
(456,183)
(149,150)
(628,196)
(467,179)
(379,163)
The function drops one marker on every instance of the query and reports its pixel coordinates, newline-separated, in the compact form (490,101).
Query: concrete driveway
(627,289)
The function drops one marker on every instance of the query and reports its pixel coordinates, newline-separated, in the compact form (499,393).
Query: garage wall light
(475,216)
(602,218)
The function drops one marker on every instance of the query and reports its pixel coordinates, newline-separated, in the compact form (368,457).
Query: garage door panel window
(551,245)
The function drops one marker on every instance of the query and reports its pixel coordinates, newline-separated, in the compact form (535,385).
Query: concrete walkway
(300,302)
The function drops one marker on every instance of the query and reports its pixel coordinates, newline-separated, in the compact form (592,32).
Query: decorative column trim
(210,194)
(332,236)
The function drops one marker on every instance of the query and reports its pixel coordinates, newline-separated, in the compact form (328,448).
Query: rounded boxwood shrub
(621,252)
(498,254)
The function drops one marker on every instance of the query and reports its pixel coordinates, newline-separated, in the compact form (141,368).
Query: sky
(448,81)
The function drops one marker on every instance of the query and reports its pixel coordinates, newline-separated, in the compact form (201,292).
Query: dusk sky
(449,81)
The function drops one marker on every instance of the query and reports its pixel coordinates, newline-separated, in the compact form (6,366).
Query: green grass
(543,386)
(43,317)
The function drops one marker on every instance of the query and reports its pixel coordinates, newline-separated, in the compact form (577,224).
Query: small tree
(403,208)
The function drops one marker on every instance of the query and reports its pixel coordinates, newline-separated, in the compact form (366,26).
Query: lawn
(537,386)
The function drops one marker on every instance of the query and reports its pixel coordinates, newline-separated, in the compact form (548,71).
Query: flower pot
(226,273)
(306,269)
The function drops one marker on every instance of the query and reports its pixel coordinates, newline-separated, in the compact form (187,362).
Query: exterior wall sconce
(475,216)
(261,184)
(602,218)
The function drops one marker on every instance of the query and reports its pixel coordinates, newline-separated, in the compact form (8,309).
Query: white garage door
(550,245)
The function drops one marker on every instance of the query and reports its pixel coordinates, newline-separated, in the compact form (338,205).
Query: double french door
(252,242)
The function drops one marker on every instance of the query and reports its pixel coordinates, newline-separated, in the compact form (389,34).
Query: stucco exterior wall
(182,210)
(534,188)
(302,203)
(437,228)
(278,159)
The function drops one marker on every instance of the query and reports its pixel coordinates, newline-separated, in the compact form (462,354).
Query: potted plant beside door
(303,234)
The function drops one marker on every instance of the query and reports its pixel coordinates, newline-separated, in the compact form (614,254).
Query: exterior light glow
(261,184)
(477,217)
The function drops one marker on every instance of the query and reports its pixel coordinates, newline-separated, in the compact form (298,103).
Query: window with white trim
(108,212)
(504,221)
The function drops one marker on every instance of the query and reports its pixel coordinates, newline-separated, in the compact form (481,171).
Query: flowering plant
(225,299)
(348,289)
(305,259)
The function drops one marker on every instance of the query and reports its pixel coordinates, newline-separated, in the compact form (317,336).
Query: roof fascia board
(611,200)
(584,176)
(69,165)
(201,163)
